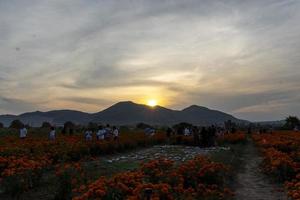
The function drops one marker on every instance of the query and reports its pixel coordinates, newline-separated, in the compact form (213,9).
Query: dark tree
(46,125)
(93,126)
(69,127)
(17,124)
(291,122)
(1,125)
(143,125)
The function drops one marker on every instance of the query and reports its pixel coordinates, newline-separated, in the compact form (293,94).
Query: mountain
(58,117)
(198,114)
(126,113)
(131,113)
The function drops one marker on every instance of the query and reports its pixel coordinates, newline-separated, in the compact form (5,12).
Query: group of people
(205,136)
(102,133)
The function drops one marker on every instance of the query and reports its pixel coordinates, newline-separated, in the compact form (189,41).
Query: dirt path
(252,184)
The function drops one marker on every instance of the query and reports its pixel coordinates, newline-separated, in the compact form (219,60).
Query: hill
(126,113)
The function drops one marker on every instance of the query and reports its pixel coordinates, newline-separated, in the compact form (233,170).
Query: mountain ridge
(126,113)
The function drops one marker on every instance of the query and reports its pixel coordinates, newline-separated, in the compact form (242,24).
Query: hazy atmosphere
(236,56)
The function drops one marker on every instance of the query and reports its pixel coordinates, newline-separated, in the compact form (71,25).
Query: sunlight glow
(152,103)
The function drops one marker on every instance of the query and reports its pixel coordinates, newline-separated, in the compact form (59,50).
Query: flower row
(199,178)
(281,152)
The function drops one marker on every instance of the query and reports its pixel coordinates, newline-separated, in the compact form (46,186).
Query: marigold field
(25,163)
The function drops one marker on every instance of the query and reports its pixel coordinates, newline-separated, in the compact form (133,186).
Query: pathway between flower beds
(252,184)
(176,153)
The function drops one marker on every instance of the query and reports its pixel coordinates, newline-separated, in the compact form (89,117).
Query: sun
(152,103)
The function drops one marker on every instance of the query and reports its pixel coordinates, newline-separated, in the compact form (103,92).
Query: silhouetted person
(169,133)
(204,137)
(71,131)
(63,131)
(212,135)
(180,131)
(233,130)
(196,136)
(249,131)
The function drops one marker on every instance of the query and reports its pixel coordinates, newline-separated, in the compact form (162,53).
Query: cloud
(11,105)
(235,56)
(278,107)
(86,100)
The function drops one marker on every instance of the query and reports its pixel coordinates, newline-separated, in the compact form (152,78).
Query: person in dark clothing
(169,132)
(71,131)
(212,134)
(196,136)
(204,137)
(179,135)
(180,131)
(249,130)
(233,130)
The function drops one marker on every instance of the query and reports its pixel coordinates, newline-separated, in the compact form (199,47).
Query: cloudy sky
(237,56)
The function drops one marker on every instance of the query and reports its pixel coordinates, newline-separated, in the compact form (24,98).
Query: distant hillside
(126,113)
(131,113)
(278,123)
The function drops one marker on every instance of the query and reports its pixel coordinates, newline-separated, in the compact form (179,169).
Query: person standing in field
(108,132)
(115,133)
(169,133)
(23,132)
(196,136)
(204,137)
(213,135)
(52,134)
(100,133)
(187,132)
(88,135)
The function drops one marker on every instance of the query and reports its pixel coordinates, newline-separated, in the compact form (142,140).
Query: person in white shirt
(88,135)
(186,132)
(52,134)
(108,132)
(101,133)
(23,132)
(115,133)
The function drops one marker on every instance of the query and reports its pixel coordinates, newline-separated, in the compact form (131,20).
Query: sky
(237,56)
